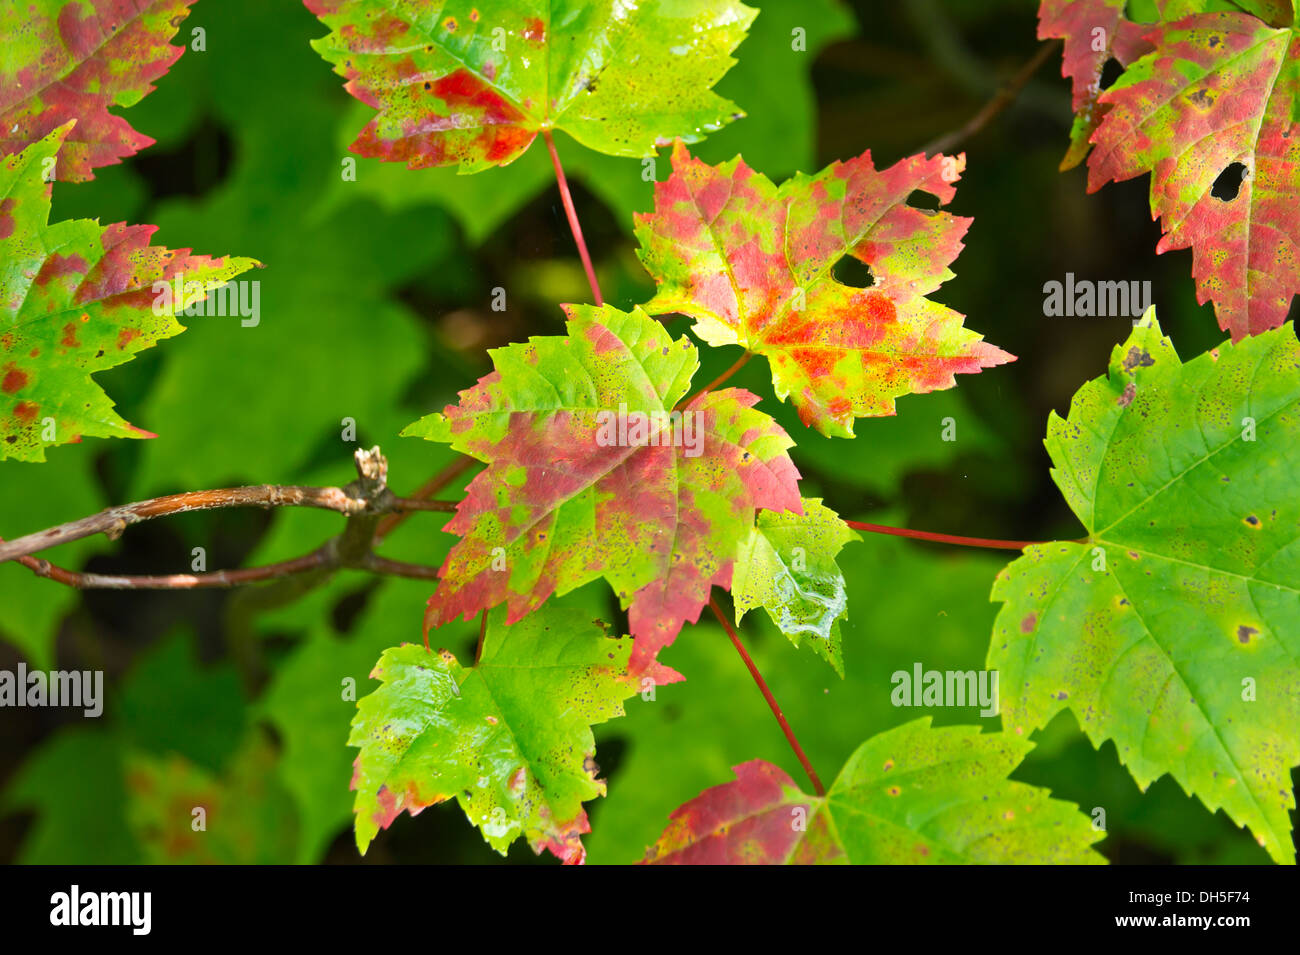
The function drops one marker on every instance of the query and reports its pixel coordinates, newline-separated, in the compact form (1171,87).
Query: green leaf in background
(37,496)
(73,59)
(910,795)
(170,704)
(930,433)
(76,298)
(333,340)
(509,737)
(1173,629)
(246,817)
(787,567)
(473,84)
(55,783)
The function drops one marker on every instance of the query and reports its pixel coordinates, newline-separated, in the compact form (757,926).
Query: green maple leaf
(1217,89)
(510,737)
(472,82)
(787,567)
(72,60)
(910,795)
(76,298)
(569,495)
(1175,629)
(752,264)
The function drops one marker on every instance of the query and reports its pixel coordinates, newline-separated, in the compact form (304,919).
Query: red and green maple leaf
(1094,31)
(1219,94)
(914,794)
(753,265)
(73,59)
(570,496)
(76,298)
(473,82)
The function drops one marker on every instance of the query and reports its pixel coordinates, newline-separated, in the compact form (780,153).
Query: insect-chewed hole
(1229,182)
(920,199)
(853,273)
(1110,72)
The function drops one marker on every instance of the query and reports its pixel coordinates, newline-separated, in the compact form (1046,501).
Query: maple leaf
(752,264)
(1094,31)
(251,813)
(76,298)
(73,59)
(593,473)
(474,83)
(1175,629)
(913,794)
(787,566)
(510,737)
(1218,93)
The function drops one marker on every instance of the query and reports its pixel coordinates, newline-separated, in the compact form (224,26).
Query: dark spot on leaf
(1126,399)
(1137,358)
(14,379)
(1244,633)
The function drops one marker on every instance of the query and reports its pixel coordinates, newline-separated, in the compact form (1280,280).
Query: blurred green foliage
(376,309)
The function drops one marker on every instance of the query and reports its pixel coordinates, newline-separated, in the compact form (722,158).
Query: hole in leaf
(1229,182)
(853,273)
(1110,72)
(918,199)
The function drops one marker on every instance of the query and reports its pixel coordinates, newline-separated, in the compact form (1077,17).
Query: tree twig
(1003,98)
(365,502)
(114,520)
(390,522)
